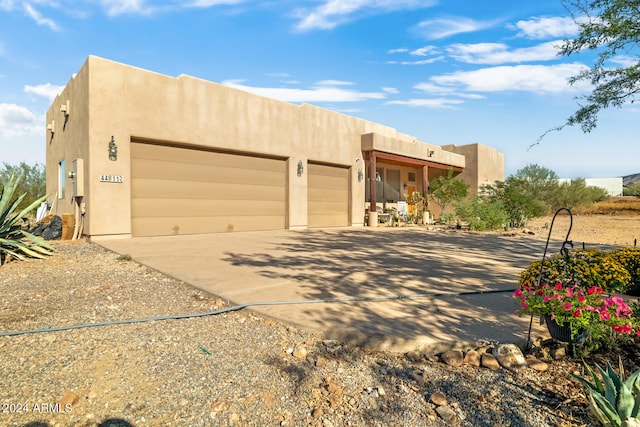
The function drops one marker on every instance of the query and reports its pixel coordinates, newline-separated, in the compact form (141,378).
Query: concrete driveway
(412,266)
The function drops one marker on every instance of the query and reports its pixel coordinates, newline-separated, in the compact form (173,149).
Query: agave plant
(614,401)
(15,241)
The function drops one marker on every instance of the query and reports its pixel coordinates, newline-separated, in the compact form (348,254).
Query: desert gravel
(230,369)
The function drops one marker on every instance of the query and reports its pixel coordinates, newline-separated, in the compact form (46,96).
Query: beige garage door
(328,196)
(188,191)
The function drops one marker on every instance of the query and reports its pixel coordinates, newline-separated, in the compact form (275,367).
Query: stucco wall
(484,165)
(112,99)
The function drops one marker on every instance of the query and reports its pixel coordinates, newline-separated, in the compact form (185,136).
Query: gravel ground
(231,369)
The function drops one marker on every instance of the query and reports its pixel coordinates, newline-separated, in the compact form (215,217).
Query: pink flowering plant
(582,308)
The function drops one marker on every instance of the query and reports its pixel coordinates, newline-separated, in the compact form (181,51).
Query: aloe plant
(14,240)
(614,401)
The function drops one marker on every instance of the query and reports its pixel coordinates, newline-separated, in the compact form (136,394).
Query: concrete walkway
(323,264)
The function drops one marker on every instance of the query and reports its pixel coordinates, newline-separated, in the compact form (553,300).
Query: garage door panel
(164,226)
(186,208)
(198,157)
(162,188)
(328,196)
(230,173)
(185,191)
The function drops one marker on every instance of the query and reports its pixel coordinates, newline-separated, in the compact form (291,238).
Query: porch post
(425,180)
(373,212)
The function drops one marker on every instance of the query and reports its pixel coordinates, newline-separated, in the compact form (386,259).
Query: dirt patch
(609,229)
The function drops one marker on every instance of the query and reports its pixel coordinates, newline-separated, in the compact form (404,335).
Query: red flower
(558,286)
(576,313)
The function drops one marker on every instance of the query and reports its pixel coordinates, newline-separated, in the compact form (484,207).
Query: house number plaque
(119,179)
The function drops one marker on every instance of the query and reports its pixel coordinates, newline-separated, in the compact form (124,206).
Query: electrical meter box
(77,168)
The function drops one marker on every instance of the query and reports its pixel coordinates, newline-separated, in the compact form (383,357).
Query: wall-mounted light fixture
(378,178)
(360,175)
(113,149)
(300,168)
(65,108)
(430,153)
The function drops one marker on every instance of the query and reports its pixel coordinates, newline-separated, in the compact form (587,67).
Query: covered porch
(392,177)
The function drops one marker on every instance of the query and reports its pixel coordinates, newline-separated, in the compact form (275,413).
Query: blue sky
(446,72)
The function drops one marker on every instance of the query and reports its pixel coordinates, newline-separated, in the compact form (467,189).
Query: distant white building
(613,186)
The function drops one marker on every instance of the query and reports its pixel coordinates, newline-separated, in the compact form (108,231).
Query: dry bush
(622,205)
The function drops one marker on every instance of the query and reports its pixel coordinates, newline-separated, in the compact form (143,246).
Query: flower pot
(563,332)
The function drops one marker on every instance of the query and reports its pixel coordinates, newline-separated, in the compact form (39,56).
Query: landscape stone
(558,353)
(472,358)
(509,356)
(488,361)
(438,398)
(446,413)
(537,364)
(452,357)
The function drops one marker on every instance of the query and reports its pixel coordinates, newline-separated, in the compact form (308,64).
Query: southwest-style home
(135,153)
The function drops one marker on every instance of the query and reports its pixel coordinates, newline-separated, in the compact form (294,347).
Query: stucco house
(135,153)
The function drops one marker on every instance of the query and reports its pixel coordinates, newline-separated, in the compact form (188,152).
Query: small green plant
(15,241)
(614,401)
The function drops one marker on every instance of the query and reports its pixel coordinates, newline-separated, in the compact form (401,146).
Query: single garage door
(177,190)
(328,196)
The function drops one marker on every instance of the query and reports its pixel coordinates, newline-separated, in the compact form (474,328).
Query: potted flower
(571,310)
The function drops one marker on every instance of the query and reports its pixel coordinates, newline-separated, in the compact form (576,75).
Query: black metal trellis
(564,250)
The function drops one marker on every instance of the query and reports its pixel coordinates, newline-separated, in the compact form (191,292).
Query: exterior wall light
(300,168)
(378,178)
(360,175)
(113,150)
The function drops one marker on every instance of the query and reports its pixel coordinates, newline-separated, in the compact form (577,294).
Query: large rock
(509,356)
(49,227)
(452,357)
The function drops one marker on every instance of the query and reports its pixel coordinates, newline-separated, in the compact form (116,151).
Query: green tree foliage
(611,29)
(535,191)
(446,189)
(32,184)
(633,190)
(483,213)
(575,193)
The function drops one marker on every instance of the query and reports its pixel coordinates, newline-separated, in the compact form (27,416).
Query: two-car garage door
(177,190)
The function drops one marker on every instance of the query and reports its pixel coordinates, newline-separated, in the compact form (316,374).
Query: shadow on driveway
(323,264)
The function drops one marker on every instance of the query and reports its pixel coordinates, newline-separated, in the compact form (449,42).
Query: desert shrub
(483,214)
(575,193)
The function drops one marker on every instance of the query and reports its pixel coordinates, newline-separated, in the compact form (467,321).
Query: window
(62,174)
(412,177)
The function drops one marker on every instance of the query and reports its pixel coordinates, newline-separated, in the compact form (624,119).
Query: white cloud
(420,62)
(444,90)
(441,103)
(332,13)
(400,50)
(315,94)
(424,51)
(333,83)
(529,78)
(499,53)
(439,28)
(624,60)
(119,7)
(209,3)
(390,89)
(46,90)
(16,120)
(40,20)
(547,27)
